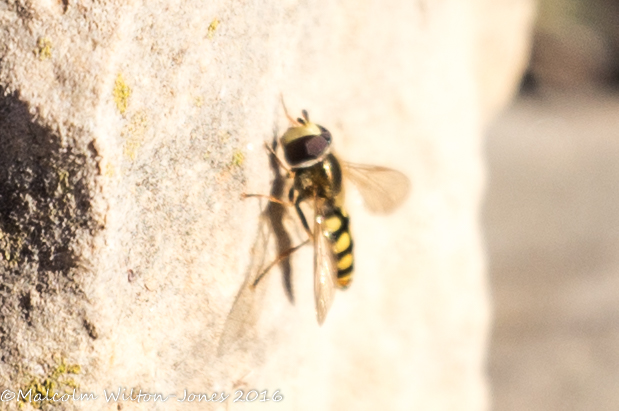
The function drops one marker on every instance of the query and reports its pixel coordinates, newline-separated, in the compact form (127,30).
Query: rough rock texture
(129,131)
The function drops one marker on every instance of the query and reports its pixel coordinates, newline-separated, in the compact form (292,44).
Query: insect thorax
(322,180)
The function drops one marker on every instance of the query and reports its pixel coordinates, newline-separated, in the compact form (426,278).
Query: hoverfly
(317,176)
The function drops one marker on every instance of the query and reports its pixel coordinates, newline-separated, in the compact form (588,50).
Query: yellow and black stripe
(337,225)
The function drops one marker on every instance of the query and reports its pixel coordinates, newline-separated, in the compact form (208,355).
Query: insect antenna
(288,116)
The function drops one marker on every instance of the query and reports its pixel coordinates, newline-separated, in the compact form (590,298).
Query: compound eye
(316,145)
(325,134)
(306,149)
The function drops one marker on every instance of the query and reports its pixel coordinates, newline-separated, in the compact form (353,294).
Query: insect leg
(297,207)
(296,123)
(291,194)
(270,198)
(288,252)
(279,161)
(283,255)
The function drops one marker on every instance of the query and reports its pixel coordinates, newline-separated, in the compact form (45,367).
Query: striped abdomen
(336,224)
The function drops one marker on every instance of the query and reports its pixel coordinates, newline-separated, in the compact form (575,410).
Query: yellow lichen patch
(108,170)
(198,101)
(11,246)
(44,48)
(122,92)
(63,179)
(134,133)
(238,158)
(39,392)
(212,28)
(224,136)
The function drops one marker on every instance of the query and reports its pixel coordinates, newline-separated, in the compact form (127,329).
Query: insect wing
(383,189)
(325,268)
(240,326)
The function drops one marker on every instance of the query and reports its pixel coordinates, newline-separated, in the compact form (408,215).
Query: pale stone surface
(132,129)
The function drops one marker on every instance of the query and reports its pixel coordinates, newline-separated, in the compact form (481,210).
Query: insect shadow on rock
(243,317)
